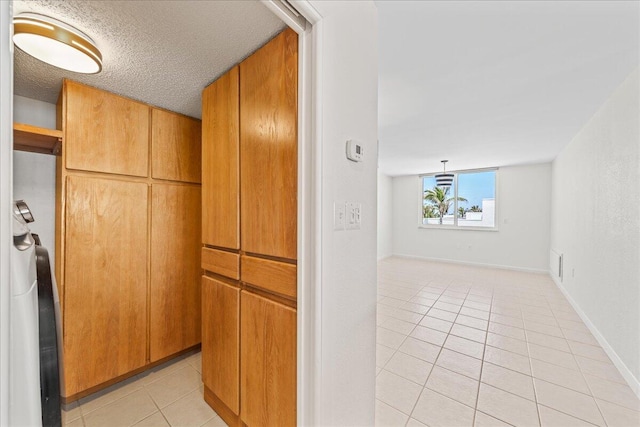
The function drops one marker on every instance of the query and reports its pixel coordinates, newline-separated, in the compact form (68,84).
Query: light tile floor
(457,346)
(463,346)
(168,395)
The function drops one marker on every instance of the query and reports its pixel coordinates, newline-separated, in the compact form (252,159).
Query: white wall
(523,215)
(34,175)
(348,81)
(385,216)
(595,222)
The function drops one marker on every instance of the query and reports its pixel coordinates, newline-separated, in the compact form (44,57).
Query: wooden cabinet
(276,277)
(127,243)
(221,162)
(249,233)
(268,148)
(268,362)
(105,132)
(105,304)
(221,338)
(175,147)
(175,269)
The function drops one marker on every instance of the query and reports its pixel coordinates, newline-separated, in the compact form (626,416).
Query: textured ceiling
(159,52)
(495,83)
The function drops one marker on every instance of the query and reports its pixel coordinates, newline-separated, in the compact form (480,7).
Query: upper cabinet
(249,153)
(105,132)
(221,162)
(268,148)
(175,147)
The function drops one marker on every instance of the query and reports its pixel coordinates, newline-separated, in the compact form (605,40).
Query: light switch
(353,216)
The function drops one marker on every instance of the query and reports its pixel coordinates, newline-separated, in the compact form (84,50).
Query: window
(469,202)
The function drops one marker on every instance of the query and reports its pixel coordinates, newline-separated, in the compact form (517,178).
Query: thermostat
(354,151)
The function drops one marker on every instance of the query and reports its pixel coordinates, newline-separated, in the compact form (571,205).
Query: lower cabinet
(267,362)
(249,356)
(221,345)
(131,292)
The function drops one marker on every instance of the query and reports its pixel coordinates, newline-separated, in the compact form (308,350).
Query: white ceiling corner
(159,52)
(495,83)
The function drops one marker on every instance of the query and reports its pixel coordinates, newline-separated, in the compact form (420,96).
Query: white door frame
(309,338)
(6,196)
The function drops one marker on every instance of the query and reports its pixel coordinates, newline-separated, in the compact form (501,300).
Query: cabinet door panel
(221,162)
(221,340)
(268,362)
(175,269)
(175,147)
(268,148)
(105,286)
(105,132)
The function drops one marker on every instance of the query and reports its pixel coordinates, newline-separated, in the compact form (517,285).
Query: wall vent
(555,264)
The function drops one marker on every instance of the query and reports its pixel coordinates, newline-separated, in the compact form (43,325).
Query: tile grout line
(436,360)
(430,371)
(484,349)
(424,386)
(395,351)
(535,389)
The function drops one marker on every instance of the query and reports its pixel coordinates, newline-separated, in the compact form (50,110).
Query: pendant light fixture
(444,179)
(56,43)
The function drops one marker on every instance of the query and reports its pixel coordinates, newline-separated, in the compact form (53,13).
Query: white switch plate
(353,215)
(338,216)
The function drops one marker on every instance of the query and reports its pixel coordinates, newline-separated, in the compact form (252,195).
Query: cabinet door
(175,269)
(268,362)
(175,147)
(268,148)
(105,132)
(221,162)
(221,340)
(105,283)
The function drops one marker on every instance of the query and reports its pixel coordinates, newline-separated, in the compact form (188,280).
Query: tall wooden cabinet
(174,294)
(249,214)
(105,287)
(127,232)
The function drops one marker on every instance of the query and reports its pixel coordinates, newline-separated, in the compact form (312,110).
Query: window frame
(455,225)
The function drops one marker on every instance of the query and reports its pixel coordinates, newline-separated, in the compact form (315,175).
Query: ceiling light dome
(56,43)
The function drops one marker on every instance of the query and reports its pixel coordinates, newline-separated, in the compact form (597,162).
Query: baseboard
(228,416)
(473,264)
(383,257)
(618,363)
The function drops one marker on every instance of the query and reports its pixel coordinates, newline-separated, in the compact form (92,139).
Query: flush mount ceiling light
(444,179)
(56,43)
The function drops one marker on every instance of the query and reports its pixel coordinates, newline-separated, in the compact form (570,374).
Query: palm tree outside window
(469,202)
